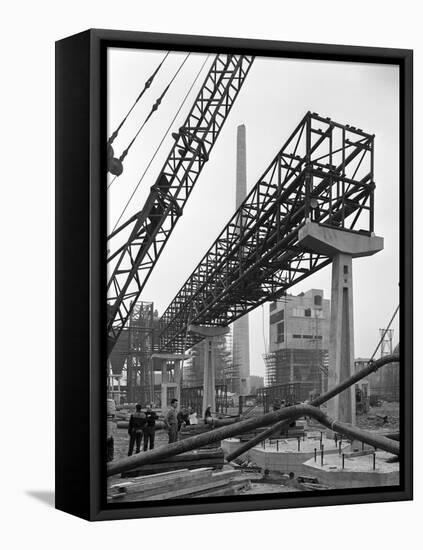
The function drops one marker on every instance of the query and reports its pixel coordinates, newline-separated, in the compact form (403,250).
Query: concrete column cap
(331,241)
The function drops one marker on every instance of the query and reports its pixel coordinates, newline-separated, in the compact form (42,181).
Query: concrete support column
(209,378)
(341,342)
(163,359)
(164,385)
(341,247)
(177,378)
(151,381)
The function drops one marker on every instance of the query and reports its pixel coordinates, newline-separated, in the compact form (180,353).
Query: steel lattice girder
(135,343)
(131,264)
(324,173)
(140,348)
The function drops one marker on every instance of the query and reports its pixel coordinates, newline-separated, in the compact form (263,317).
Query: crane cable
(159,145)
(115,165)
(147,84)
(153,108)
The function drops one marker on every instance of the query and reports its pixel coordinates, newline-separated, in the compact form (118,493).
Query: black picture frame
(80,270)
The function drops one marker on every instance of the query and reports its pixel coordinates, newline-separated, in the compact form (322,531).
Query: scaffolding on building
(319,358)
(270,372)
(231,370)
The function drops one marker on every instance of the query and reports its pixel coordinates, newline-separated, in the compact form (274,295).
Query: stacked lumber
(311,484)
(182,483)
(200,458)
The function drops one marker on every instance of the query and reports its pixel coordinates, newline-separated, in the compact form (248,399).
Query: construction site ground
(383,418)
(121,440)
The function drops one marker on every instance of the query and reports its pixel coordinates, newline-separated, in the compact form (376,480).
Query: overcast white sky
(275,96)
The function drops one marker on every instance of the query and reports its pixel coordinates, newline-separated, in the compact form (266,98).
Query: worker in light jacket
(171,421)
(136,426)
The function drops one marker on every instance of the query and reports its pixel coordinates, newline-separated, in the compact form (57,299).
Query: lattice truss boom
(145,234)
(323,173)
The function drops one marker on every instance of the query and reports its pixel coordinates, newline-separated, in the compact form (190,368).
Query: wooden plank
(186,491)
(200,454)
(187,487)
(145,483)
(170,466)
(160,475)
(226,474)
(194,478)
(152,477)
(231,489)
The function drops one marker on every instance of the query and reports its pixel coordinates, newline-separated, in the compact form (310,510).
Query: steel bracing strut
(323,174)
(131,263)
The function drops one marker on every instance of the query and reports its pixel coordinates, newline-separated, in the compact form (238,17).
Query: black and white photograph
(253,276)
(211,275)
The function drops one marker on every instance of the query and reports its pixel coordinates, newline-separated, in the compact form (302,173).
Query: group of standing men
(174,420)
(142,424)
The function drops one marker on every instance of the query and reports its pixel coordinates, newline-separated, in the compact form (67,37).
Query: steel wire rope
(147,85)
(153,109)
(117,164)
(159,145)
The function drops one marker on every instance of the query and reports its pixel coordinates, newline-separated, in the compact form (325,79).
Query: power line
(159,145)
(153,109)
(147,84)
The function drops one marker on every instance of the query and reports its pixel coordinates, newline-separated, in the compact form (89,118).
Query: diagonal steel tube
(277,418)
(372,367)
(286,415)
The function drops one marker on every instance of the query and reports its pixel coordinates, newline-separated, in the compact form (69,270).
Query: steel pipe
(288,414)
(373,367)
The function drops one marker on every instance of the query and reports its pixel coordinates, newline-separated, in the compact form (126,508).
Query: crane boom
(151,227)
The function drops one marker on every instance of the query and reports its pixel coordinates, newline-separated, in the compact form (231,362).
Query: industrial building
(299,341)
